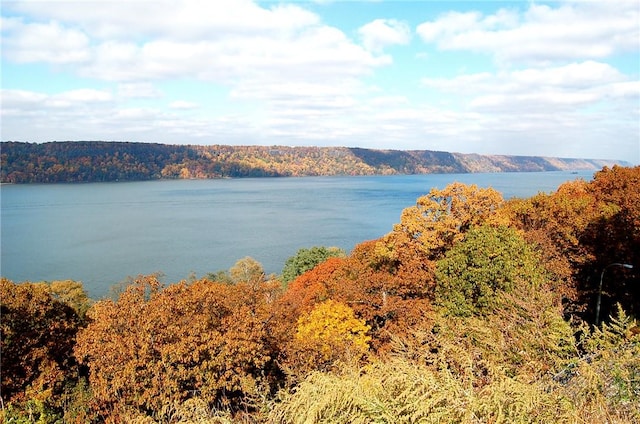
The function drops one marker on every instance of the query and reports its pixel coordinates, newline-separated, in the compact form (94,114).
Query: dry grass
(444,376)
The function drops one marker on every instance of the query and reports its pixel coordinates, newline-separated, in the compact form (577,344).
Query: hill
(93,161)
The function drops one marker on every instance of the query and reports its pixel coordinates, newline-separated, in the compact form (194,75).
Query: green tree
(221,276)
(489,261)
(306,259)
(73,294)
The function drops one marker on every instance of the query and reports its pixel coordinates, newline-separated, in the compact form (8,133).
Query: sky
(542,78)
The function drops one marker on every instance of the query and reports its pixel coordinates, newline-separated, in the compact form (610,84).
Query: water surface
(101,233)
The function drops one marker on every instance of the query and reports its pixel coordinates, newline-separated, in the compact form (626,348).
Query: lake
(101,233)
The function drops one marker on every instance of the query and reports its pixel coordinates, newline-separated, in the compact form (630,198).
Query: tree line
(97,161)
(471,309)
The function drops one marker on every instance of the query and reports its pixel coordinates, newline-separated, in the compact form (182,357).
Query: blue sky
(544,78)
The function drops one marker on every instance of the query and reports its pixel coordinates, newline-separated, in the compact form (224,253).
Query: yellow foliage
(73,294)
(329,333)
(440,219)
(332,323)
(461,371)
(403,391)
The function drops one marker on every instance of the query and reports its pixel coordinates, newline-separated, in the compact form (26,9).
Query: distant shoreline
(100,161)
(569,173)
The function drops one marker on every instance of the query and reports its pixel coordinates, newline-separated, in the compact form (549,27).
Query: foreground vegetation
(471,310)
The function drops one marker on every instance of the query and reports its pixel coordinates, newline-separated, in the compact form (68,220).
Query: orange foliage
(555,223)
(155,347)
(311,287)
(301,296)
(37,336)
(388,301)
(561,217)
(583,227)
(441,218)
(620,186)
(615,238)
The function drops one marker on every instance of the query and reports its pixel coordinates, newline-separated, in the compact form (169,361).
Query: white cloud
(389,101)
(24,100)
(448,25)
(136,114)
(138,90)
(48,42)
(184,20)
(14,99)
(284,57)
(86,95)
(542,33)
(545,90)
(183,105)
(574,75)
(380,33)
(279,75)
(627,89)
(225,42)
(81,98)
(562,109)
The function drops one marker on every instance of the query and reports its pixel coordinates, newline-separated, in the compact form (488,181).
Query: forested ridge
(471,309)
(94,161)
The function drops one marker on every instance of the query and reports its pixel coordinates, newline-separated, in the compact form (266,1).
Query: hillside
(91,161)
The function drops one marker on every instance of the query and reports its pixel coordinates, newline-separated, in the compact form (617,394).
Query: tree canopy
(470,309)
(488,263)
(306,259)
(157,346)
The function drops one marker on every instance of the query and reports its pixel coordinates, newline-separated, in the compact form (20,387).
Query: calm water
(101,233)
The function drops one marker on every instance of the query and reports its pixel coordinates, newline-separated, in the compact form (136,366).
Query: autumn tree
(555,223)
(71,293)
(441,218)
(388,302)
(247,270)
(580,229)
(327,335)
(37,337)
(306,259)
(301,296)
(159,346)
(614,237)
(389,299)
